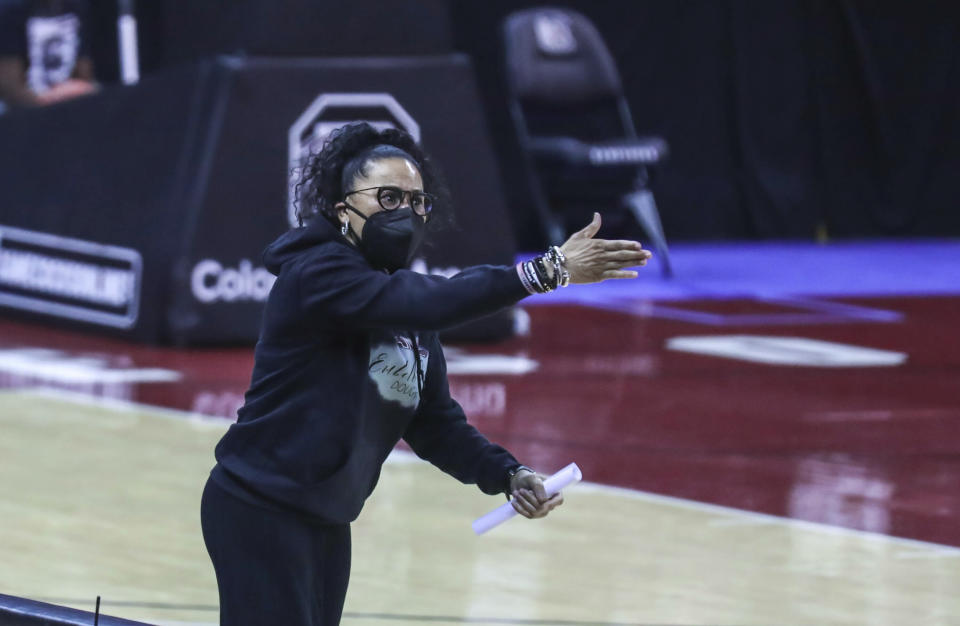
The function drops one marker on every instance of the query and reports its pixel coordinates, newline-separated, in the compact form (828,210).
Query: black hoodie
(335,382)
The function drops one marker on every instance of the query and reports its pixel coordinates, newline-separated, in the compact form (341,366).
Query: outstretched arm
(337,284)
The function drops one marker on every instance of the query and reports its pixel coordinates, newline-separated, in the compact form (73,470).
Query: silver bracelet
(559,261)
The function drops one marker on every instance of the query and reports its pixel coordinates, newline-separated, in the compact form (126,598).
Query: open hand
(529,497)
(592,260)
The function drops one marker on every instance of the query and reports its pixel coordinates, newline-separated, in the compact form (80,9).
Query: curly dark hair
(321,181)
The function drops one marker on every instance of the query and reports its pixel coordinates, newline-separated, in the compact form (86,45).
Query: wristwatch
(510,474)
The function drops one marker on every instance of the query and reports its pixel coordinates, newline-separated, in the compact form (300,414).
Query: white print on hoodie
(394,371)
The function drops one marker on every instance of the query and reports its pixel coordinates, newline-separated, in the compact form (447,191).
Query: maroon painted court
(871,447)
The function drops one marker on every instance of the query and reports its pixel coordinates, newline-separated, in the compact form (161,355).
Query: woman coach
(347,364)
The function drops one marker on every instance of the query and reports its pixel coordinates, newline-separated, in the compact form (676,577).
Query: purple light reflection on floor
(797,275)
(812,312)
(776,269)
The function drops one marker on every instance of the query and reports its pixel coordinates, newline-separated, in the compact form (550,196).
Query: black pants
(273,567)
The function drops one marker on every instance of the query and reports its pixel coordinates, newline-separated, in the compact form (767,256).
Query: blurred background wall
(785,119)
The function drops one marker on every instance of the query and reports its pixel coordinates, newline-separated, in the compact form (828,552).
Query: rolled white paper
(553,485)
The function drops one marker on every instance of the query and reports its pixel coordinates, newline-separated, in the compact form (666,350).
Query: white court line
(928,554)
(766,518)
(405,457)
(61,367)
(733,516)
(727,522)
(115,404)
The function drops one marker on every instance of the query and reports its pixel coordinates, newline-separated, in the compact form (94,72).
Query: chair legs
(644,210)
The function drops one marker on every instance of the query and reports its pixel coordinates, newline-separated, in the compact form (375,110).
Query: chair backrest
(558,70)
(556,56)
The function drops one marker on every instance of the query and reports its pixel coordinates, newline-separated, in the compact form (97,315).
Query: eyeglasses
(391,198)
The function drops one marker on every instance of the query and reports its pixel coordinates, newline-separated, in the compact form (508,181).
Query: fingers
(619,259)
(608,274)
(623,259)
(619,244)
(525,503)
(626,256)
(622,266)
(590,230)
(531,500)
(515,503)
(538,491)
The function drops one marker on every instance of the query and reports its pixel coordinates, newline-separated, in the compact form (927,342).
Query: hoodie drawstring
(416,358)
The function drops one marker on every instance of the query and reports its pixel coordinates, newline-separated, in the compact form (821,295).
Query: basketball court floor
(770,438)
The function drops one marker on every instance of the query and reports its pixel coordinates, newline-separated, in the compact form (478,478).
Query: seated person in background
(44,52)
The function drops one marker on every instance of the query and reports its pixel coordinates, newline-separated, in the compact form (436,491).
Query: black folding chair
(574,126)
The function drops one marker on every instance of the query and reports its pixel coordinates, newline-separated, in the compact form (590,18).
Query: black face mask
(391,238)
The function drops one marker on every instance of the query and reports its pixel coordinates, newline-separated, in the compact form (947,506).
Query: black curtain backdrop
(785,118)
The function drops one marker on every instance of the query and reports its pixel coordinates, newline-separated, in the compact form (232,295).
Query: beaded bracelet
(540,265)
(535,277)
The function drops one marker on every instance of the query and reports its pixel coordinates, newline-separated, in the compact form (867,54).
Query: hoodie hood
(293,242)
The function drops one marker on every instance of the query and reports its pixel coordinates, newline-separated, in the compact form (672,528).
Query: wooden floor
(102,498)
